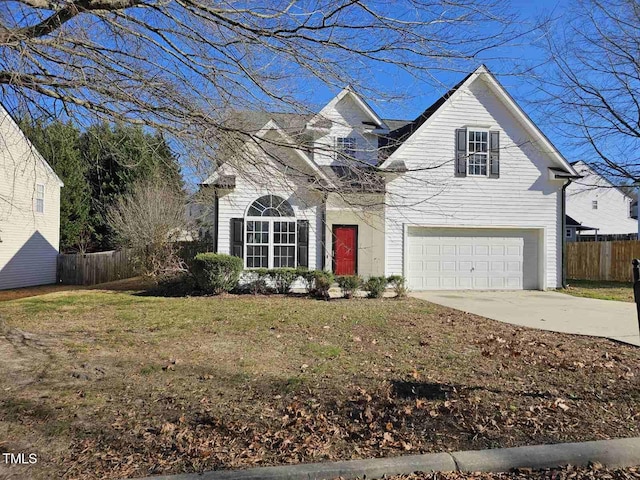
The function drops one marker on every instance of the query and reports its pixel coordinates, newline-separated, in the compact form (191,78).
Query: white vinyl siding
(29,238)
(524,196)
(612,213)
(268,180)
(346,122)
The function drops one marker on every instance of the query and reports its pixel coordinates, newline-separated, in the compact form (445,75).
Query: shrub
(399,284)
(349,284)
(283,278)
(376,286)
(216,272)
(306,276)
(255,281)
(319,283)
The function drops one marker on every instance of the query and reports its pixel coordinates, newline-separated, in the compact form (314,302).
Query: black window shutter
(494,154)
(461,152)
(303,243)
(237,237)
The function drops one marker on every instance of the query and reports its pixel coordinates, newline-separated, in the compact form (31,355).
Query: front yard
(112,384)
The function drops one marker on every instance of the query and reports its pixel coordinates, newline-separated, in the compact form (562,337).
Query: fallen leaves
(569,472)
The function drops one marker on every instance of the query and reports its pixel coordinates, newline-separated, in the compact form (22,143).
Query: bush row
(217,273)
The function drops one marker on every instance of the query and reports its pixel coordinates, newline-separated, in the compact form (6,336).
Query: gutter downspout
(564,229)
(216,214)
(323,232)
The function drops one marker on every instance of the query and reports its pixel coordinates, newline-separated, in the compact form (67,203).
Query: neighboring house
(595,202)
(29,211)
(573,229)
(466,196)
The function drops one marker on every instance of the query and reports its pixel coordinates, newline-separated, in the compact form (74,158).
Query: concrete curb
(618,453)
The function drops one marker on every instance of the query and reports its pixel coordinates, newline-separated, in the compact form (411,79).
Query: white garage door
(465,259)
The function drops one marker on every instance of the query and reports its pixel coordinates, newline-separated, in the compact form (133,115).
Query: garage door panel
(446,249)
(471,259)
(482,266)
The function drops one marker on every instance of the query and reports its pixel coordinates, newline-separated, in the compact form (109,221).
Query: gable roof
(497,88)
(39,158)
(320,118)
(581,163)
(293,121)
(396,137)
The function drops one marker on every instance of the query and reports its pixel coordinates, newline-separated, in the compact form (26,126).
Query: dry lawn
(112,384)
(620,291)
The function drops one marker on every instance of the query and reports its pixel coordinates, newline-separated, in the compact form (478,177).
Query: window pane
(257,257)
(257,232)
(287,232)
(270,206)
(284,256)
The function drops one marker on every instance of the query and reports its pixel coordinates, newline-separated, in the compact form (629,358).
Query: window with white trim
(257,244)
(284,244)
(594,205)
(345,148)
(40,198)
(270,234)
(477,152)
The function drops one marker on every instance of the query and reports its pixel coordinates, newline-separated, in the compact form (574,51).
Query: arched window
(270,234)
(270,206)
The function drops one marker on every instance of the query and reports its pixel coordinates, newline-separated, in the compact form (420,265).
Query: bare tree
(181,65)
(592,84)
(151,219)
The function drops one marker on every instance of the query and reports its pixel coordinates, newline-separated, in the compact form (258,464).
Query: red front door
(345,249)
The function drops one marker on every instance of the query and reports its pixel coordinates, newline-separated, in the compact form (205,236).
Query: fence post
(636,287)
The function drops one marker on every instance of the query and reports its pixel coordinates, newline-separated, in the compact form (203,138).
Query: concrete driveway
(552,311)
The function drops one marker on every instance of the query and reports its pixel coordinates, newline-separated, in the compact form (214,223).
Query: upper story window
(594,205)
(345,147)
(40,198)
(478,152)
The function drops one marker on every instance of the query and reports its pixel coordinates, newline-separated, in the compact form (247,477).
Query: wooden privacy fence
(602,260)
(100,267)
(93,268)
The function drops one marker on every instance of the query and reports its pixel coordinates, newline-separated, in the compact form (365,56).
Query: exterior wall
(523,196)
(253,183)
(613,213)
(370,221)
(29,241)
(346,118)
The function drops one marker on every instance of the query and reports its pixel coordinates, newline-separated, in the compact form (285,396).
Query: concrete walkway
(552,311)
(617,453)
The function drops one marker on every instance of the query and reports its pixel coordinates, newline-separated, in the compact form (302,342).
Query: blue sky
(503,62)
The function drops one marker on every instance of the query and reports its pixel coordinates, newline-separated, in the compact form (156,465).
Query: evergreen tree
(59,144)
(117,157)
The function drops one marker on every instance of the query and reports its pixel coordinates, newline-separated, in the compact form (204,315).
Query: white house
(29,211)
(595,202)
(467,196)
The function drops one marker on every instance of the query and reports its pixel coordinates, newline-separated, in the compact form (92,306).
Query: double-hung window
(40,198)
(257,244)
(270,229)
(478,152)
(345,148)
